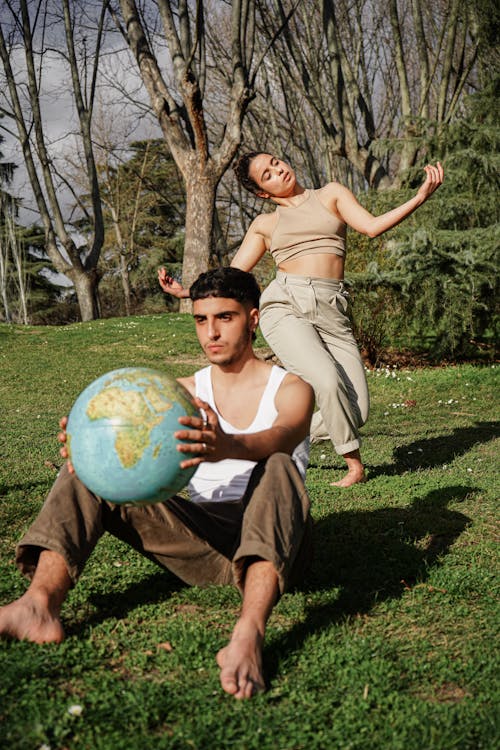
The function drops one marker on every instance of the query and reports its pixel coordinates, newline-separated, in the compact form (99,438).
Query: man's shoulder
(294,397)
(189,384)
(293,384)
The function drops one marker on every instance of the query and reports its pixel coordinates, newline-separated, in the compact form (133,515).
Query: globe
(120,436)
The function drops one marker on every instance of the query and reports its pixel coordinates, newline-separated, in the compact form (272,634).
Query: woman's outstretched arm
(357,217)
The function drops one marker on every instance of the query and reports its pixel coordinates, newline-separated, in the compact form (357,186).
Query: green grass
(391,641)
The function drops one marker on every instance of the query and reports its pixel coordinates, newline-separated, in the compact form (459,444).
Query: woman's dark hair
(229,282)
(241,168)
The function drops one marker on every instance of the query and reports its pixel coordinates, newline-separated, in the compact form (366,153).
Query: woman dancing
(303,312)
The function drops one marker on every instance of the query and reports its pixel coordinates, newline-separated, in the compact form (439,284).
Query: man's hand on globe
(204,436)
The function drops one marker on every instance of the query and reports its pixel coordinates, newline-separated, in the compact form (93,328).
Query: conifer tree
(434,279)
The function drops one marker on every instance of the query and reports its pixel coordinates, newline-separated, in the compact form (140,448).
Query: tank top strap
(203,386)
(266,411)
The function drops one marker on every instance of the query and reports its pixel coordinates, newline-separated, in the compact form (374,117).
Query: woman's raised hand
(170,285)
(434,178)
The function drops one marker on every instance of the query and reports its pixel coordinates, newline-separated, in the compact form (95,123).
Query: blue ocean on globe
(120,435)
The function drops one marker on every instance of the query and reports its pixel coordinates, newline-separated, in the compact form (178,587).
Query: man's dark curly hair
(241,167)
(229,282)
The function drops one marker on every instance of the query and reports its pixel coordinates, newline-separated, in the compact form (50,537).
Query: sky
(60,121)
(118,77)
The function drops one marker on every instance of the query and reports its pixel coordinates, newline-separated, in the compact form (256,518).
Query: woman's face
(275,177)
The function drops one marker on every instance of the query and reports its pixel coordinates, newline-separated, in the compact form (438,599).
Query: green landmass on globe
(141,410)
(120,435)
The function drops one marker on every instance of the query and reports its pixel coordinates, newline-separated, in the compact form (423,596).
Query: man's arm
(294,403)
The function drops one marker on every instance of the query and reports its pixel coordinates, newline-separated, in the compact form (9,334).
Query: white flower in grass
(386,413)
(75,709)
(44,747)
(323,456)
(470,471)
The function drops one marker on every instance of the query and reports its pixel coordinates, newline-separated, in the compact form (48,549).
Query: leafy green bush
(443,259)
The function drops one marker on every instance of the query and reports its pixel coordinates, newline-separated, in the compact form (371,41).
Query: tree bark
(71,262)
(184,125)
(86,285)
(198,247)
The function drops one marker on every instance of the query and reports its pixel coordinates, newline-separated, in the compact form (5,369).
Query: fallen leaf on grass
(166,646)
(450,693)
(422,586)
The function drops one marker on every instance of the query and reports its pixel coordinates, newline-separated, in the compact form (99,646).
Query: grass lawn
(391,641)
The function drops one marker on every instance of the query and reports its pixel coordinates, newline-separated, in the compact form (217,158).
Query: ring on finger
(204,447)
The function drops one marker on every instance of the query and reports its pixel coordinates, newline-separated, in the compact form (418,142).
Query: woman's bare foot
(355,470)
(352,477)
(240,663)
(28,618)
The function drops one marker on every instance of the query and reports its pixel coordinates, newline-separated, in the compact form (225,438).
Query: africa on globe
(120,436)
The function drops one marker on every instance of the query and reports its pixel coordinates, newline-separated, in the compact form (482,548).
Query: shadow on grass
(155,588)
(429,453)
(361,558)
(432,452)
(372,556)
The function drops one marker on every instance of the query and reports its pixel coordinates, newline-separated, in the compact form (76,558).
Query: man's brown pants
(201,543)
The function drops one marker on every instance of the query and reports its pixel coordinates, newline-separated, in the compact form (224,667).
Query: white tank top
(228,479)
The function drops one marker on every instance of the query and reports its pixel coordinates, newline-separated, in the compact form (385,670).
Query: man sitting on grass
(248,519)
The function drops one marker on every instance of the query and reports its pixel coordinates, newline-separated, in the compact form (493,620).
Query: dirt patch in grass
(448,692)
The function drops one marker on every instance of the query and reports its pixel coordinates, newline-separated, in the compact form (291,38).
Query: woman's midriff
(322,265)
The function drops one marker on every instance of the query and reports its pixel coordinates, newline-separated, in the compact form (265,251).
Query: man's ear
(254,319)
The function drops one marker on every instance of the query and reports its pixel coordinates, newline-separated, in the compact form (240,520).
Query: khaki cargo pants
(305,322)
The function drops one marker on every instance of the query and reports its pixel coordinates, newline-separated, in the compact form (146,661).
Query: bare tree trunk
(73,262)
(183,125)
(86,284)
(376,77)
(125,279)
(4,273)
(17,257)
(200,208)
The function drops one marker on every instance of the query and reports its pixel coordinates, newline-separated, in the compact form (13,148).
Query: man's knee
(280,461)
(281,471)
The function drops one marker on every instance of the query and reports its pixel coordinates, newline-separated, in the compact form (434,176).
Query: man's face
(274,176)
(224,328)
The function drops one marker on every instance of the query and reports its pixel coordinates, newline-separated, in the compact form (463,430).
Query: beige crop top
(307,229)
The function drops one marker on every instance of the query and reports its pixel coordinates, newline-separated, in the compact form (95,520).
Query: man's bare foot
(240,663)
(29,619)
(352,477)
